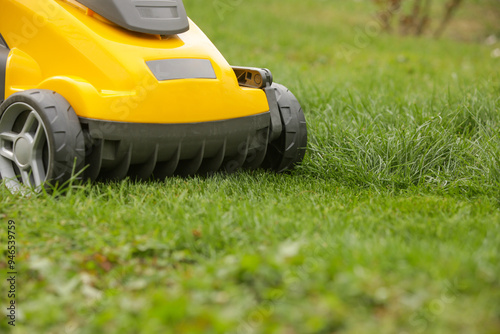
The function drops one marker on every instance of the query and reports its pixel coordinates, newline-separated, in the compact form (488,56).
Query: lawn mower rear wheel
(41,140)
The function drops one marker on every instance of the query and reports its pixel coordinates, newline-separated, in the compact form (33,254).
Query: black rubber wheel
(41,140)
(288,150)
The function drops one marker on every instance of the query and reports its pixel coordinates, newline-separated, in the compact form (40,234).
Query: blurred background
(322,39)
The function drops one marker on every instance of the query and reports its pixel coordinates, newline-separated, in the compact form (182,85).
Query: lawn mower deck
(120,88)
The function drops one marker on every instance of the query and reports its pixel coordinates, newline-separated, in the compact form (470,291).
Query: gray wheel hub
(22,151)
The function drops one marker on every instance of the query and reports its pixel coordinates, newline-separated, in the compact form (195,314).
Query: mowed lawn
(391,225)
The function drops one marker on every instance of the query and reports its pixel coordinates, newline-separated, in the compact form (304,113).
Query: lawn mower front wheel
(288,150)
(41,140)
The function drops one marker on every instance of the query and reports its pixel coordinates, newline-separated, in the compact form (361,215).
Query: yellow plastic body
(101,68)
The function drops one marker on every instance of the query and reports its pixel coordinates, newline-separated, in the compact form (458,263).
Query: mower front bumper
(116,149)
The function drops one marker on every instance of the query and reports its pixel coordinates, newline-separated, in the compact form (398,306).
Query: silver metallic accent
(174,69)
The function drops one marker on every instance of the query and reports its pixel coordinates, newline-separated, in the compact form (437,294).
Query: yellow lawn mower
(134,88)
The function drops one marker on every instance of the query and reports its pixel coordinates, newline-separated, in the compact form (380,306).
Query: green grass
(391,225)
